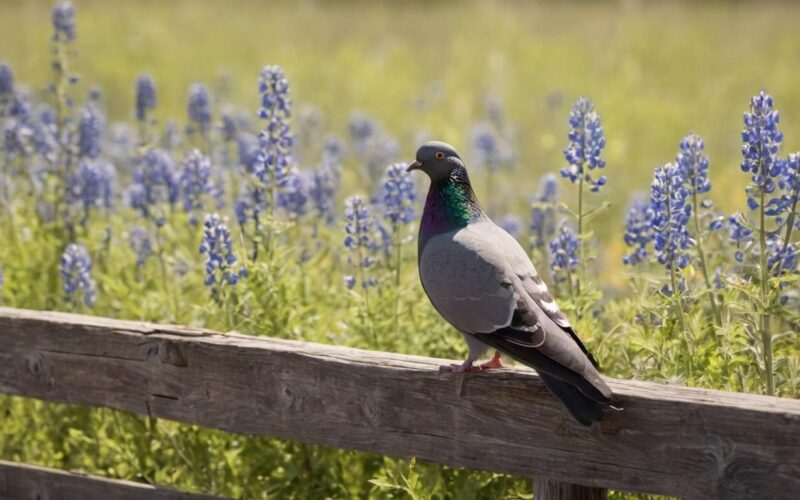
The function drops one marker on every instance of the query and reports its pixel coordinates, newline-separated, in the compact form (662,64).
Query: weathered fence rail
(669,440)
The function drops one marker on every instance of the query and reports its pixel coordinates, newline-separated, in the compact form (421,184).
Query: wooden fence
(669,440)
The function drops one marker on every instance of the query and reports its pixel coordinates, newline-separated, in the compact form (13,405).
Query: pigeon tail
(580,395)
(582,407)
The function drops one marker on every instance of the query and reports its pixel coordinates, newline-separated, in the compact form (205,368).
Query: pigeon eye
(439,155)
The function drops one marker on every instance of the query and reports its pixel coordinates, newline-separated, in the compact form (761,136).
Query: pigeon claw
(492,363)
(464,367)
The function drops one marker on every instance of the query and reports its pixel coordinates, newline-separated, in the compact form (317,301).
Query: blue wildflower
(359,237)
(543,213)
(199,107)
(669,216)
(142,246)
(586,141)
(275,141)
(638,230)
(761,142)
(786,203)
(63,18)
(486,147)
(228,127)
(325,181)
(248,151)
(693,163)
(145,96)
(76,268)
(293,198)
(6,79)
(217,246)
(362,129)
(195,182)
(249,205)
(782,257)
(397,196)
(154,183)
(91,123)
(91,186)
(511,223)
(564,254)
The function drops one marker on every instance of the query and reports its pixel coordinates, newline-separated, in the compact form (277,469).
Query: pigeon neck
(451,204)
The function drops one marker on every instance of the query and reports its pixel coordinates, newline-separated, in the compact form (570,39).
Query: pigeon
(481,281)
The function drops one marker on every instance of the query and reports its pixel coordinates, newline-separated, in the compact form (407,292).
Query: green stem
(582,268)
(766,337)
(363,273)
(678,304)
(704,267)
(398,264)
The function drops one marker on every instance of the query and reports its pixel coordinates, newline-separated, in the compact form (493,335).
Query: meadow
(242,168)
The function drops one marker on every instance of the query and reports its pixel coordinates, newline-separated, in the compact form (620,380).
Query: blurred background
(408,72)
(656,71)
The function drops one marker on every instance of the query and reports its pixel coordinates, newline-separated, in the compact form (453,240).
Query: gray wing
(468,281)
(482,282)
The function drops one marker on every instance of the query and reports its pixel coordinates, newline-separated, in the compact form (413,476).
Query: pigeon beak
(414,166)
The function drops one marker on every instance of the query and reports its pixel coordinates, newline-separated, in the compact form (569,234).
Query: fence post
(547,489)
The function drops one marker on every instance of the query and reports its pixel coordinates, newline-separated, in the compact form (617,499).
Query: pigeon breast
(469,279)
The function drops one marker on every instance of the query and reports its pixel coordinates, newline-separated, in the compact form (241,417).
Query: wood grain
(30,482)
(547,489)
(669,440)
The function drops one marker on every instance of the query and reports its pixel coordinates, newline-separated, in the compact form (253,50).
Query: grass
(655,71)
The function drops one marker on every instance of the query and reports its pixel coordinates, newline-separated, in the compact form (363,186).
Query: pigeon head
(450,203)
(438,160)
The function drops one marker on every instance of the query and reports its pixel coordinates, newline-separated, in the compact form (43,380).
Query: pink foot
(492,363)
(464,367)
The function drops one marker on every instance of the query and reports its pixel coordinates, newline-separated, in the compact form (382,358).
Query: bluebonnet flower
(76,268)
(359,238)
(63,22)
(543,214)
(586,141)
(145,96)
(638,230)
(511,223)
(717,223)
(228,126)
(90,127)
(693,163)
(564,254)
(154,183)
(92,185)
(397,196)
(789,196)
(195,182)
(6,79)
(217,246)
(248,151)
(19,128)
(782,257)
(275,141)
(362,129)
(293,198)
(199,107)
(325,181)
(669,216)
(142,246)
(486,147)
(761,142)
(249,204)
(740,234)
